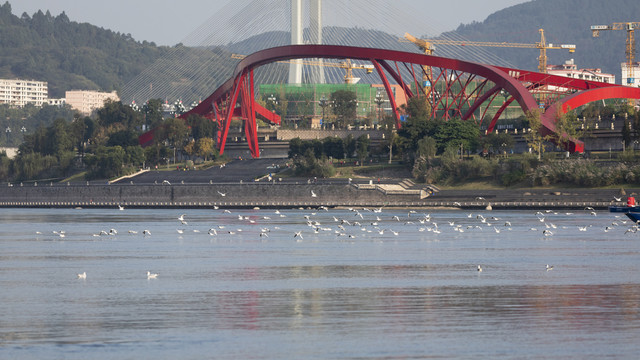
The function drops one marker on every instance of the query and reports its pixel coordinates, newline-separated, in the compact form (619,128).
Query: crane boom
(630,49)
(427,46)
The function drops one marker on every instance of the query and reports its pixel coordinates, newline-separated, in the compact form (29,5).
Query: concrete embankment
(286,195)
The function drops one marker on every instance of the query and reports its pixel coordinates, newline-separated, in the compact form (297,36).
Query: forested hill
(69,55)
(564,22)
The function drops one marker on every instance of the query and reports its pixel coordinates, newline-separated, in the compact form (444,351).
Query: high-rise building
(87,101)
(23,92)
(631,78)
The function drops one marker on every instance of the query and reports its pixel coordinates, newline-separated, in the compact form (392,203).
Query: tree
(417,107)
(567,128)
(534,138)
(362,148)
(497,142)
(201,127)
(333,147)
(295,147)
(204,147)
(349,146)
(457,133)
(123,138)
(427,147)
(115,112)
(176,132)
(344,106)
(152,110)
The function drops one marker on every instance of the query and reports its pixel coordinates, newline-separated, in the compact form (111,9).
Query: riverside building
(86,101)
(18,92)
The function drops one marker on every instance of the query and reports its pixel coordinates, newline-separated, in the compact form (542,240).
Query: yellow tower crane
(347,65)
(630,50)
(426,45)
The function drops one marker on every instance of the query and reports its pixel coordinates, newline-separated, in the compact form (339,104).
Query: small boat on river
(632,210)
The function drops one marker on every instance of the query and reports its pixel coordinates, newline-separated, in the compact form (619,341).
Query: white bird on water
(298,234)
(151,276)
(146,232)
(479,268)
(549,267)
(83,275)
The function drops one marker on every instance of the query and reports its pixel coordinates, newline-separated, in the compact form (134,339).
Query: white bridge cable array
(246,26)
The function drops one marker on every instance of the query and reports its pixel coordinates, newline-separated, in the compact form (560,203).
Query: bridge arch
(236,96)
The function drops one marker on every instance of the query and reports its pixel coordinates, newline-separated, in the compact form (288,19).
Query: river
(389,284)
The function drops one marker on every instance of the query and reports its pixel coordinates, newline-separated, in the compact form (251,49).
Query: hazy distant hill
(564,21)
(70,55)
(67,54)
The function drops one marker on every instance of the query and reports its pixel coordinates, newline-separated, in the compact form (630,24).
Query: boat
(631,209)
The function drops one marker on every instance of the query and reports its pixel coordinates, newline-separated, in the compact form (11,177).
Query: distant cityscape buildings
(17,92)
(570,69)
(23,92)
(86,101)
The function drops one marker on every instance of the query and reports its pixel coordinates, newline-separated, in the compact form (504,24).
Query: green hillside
(564,21)
(69,55)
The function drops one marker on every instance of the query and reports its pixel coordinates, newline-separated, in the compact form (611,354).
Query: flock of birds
(373,224)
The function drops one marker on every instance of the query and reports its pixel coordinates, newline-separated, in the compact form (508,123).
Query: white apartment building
(570,69)
(631,78)
(23,92)
(86,101)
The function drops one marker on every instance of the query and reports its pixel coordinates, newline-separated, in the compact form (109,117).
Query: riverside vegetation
(451,153)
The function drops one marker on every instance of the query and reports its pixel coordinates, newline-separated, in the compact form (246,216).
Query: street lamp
(273,101)
(379,101)
(323,104)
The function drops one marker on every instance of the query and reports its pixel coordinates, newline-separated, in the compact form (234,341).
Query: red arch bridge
(236,97)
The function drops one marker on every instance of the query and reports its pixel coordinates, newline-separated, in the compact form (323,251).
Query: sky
(169,22)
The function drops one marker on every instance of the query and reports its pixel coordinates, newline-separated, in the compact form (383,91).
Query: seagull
(313,194)
(120,207)
(212,232)
(298,234)
(83,275)
(222,194)
(549,267)
(180,231)
(617,199)
(181,217)
(479,268)
(146,232)
(166,182)
(151,276)
(547,232)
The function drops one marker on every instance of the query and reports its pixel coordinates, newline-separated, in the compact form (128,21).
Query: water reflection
(416,295)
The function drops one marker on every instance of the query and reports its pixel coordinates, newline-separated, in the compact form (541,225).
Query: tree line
(106,145)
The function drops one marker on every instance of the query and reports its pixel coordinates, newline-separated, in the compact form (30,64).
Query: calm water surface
(355,292)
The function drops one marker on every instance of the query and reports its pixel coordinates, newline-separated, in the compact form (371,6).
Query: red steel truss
(455,96)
